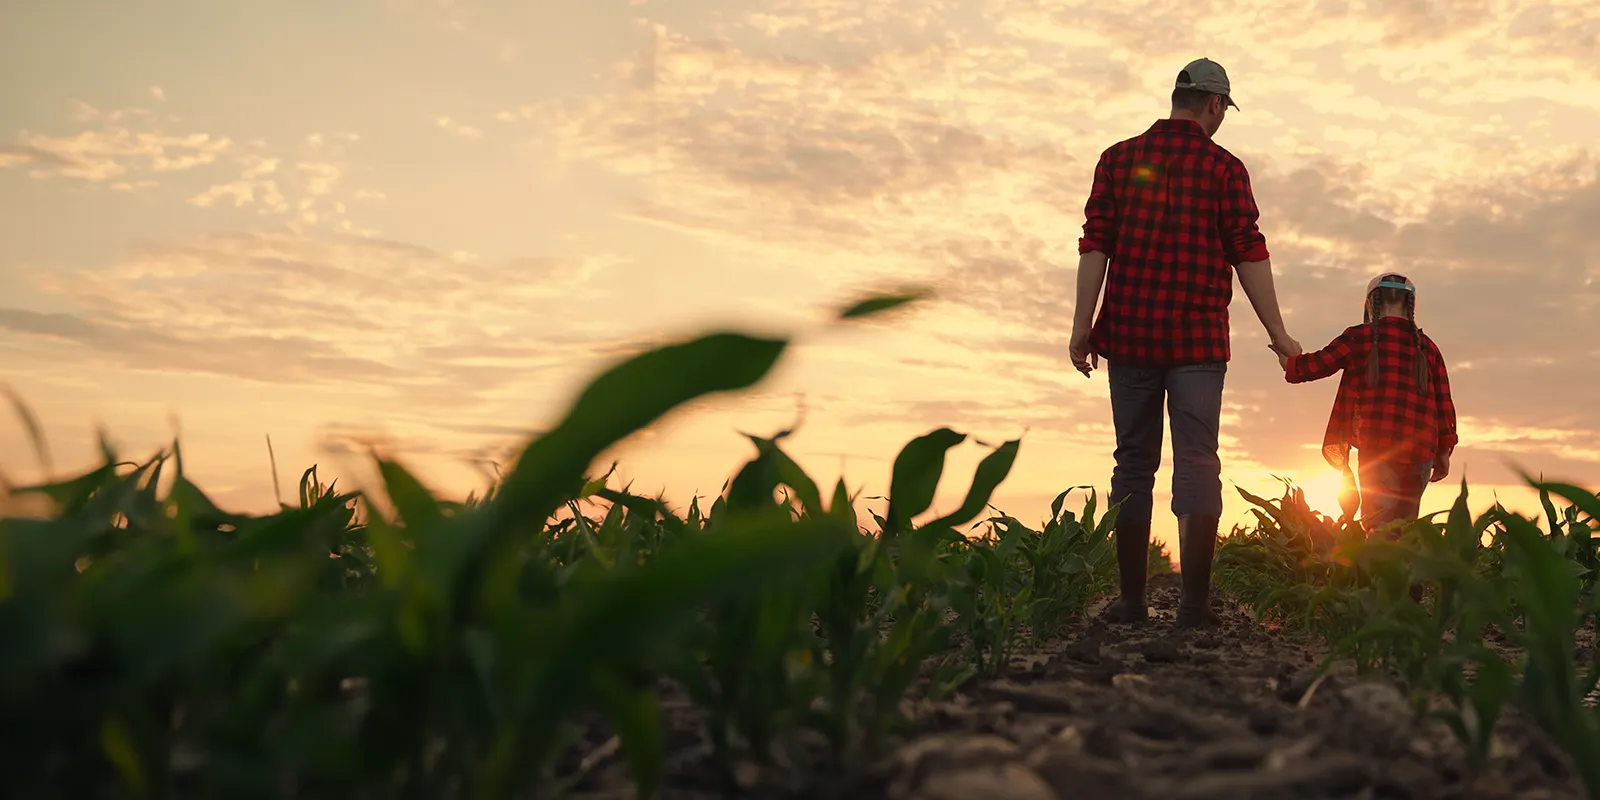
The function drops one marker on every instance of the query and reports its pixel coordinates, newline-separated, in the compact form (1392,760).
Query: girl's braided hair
(1379,297)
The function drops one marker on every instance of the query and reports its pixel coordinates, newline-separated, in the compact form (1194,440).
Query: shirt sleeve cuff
(1292,373)
(1089,246)
(1257,253)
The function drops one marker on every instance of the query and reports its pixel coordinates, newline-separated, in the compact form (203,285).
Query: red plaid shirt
(1174,212)
(1392,419)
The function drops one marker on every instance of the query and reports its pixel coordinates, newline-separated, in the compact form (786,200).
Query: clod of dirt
(1334,775)
(1077,775)
(1378,699)
(1294,688)
(1159,651)
(920,759)
(1085,651)
(1031,699)
(1233,754)
(1006,781)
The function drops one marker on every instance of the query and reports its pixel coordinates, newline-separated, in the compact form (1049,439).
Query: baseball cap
(1390,280)
(1207,76)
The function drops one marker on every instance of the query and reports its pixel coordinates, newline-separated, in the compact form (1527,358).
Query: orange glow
(1321,487)
(442,270)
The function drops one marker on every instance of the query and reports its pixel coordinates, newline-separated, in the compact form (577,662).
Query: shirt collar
(1188,126)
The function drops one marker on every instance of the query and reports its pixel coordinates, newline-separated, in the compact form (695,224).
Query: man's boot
(1197,536)
(1133,566)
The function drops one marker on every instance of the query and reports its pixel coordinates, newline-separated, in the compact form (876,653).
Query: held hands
(1286,348)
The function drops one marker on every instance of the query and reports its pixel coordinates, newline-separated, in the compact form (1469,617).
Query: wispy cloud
(347,309)
(457,128)
(122,147)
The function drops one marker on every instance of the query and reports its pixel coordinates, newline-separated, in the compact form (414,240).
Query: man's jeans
(1193,395)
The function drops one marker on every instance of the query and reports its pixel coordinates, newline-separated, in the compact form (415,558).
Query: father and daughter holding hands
(1170,219)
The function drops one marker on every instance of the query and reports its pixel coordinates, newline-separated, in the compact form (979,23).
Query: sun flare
(1321,485)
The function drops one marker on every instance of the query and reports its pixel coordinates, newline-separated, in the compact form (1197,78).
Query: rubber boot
(1133,567)
(1197,536)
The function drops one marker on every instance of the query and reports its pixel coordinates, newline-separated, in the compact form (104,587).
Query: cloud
(131,150)
(158,93)
(915,140)
(305,186)
(257,357)
(456,128)
(331,309)
(123,145)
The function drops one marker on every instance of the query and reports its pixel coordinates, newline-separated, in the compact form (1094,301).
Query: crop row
(153,644)
(1472,614)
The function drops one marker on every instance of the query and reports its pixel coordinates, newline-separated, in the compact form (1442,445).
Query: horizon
(427,223)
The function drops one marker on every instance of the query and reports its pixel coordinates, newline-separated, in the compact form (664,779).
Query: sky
(425,224)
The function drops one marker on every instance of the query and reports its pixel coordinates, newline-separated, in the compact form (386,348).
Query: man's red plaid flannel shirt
(1391,420)
(1174,212)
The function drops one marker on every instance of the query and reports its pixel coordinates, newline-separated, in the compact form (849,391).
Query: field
(560,636)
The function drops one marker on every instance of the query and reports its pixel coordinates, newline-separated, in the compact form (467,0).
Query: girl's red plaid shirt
(1391,420)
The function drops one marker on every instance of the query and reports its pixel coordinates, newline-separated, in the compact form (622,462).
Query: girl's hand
(1283,360)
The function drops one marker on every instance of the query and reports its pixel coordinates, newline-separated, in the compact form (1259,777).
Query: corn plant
(154,643)
(1548,585)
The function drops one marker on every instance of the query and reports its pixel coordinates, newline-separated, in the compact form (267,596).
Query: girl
(1393,406)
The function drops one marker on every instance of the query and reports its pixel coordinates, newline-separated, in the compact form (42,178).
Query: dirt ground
(1120,713)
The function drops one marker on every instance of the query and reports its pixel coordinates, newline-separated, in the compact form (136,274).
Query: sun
(1321,486)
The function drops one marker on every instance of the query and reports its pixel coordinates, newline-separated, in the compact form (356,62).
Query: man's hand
(1441,468)
(1283,360)
(1285,347)
(1082,359)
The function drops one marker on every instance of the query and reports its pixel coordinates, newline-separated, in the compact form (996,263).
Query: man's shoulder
(1157,139)
(1225,157)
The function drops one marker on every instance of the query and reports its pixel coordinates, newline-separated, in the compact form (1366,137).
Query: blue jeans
(1193,395)
(1391,491)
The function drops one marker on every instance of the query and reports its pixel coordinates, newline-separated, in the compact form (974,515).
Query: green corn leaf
(72,495)
(635,714)
(415,505)
(30,424)
(392,556)
(990,473)
(119,749)
(915,477)
(621,401)
(1585,501)
(792,475)
(879,304)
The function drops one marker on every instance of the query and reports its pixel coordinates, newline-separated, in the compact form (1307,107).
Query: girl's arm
(1339,354)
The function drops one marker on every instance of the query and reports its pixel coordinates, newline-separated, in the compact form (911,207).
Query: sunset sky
(431,220)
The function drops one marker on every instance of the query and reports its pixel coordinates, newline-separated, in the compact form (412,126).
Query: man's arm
(1246,247)
(1091,276)
(1100,212)
(1094,257)
(1256,279)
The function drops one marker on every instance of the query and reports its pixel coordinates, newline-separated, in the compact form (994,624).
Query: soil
(1121,712)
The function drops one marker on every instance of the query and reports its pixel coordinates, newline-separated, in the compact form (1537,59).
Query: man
(1170,215)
